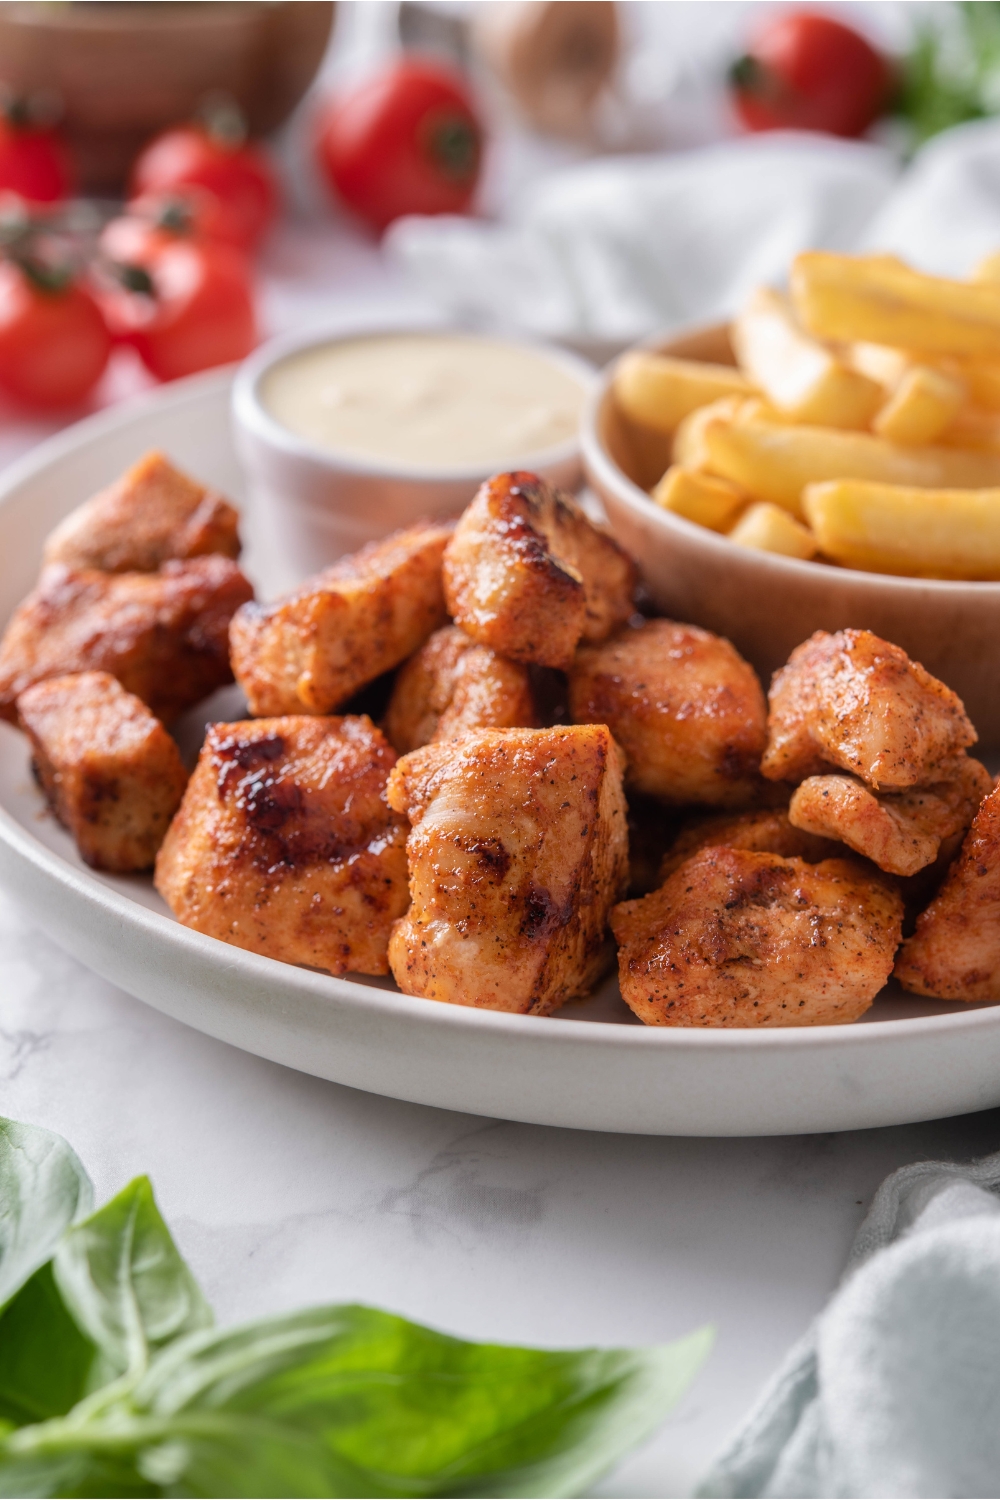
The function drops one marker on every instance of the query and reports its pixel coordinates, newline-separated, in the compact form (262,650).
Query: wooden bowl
(124,71)
(767,604)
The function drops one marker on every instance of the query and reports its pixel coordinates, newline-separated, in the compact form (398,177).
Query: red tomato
(808,72)
(238,174)
(405,142)
(198,310)
(34,163)
(157,219)
(53,343)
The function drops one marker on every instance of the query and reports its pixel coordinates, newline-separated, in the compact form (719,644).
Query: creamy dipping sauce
(431,401)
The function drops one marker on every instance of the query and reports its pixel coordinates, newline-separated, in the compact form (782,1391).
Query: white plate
(591,1067)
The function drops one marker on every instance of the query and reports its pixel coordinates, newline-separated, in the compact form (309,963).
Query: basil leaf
(45,1361)
(125,1283)
(43,1188)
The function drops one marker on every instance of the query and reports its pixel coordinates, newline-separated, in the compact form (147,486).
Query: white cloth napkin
(895,1390)
(619,247)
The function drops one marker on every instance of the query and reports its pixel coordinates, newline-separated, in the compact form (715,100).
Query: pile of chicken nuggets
(555,776)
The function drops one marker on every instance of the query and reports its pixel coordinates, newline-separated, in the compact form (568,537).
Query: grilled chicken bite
(899,831)
(285,844)
(954,954)
(518,851)
(736,938)
(854,701)
(312,650)
(765,831)
(165,635)
(685,707)
(527,574)
(453,685)
(110,771)
(150,515)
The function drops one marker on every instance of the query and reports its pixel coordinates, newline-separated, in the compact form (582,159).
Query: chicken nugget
(453,685)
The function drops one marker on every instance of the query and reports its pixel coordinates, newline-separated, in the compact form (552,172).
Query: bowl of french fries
(830,459)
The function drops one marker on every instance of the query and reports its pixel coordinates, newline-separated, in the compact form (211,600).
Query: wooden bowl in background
(124,71)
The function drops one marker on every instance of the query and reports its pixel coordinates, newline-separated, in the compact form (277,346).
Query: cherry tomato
(53,341)
(405,142)
(157,219)
(34,162)
(806,71)
(236,172)
(186,307)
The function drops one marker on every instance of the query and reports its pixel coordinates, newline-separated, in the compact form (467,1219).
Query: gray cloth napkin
(895,1390)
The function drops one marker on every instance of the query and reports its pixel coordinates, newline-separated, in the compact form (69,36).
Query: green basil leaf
(125,1283)
(45,1361)
(43,1188)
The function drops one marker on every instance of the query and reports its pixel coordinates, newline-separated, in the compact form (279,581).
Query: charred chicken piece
(285,844)
(152,514)
(517,854)
(901,832)
(110,771)
(453,685)
(312,650)
(765,831)
(854,701)
(527,574)
(165,635)
(954,954)
(685,707)
(736,938)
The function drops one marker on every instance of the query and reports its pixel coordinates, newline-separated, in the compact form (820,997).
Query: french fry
(773,461)
(921,407)
(879,362)
(769,528)
(689,447)
(974,428)
(800,376)
(982,381)
(714,503)
(656,390)
(876,299)
(922,533)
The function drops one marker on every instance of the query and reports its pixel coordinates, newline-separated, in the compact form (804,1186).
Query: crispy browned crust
(164,635)
(312,650)
(110,771)
(285,844)
(736,938)
(152,514)
(765,831)
(453,685)
(954,954)
(527,574)
(854,701)
(685,707)
(518,851)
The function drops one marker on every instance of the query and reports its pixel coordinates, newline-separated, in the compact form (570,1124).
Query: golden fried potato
(954,953)
(313,649)
(518,852)
(164,635)
(736,938)
(854,701)
(901,832)
(110,771)
(659,390)
(453,685)
(150,515)
(697,497)
(769,528)
(766,830)
(527,574)
(285,844)
(921,407)
(919,533)
(685,707)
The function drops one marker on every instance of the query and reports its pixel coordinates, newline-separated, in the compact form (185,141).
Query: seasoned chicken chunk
(148,516)
(165,635)
(110,771)
(527,574)
(954,954)
(854,701)
(764,831)
(685,707)
(453,685)
(517,854)
(312,650)
(736,938)
(285,844)
(899,831)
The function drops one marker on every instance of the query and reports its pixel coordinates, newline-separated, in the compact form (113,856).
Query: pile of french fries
(860,425)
